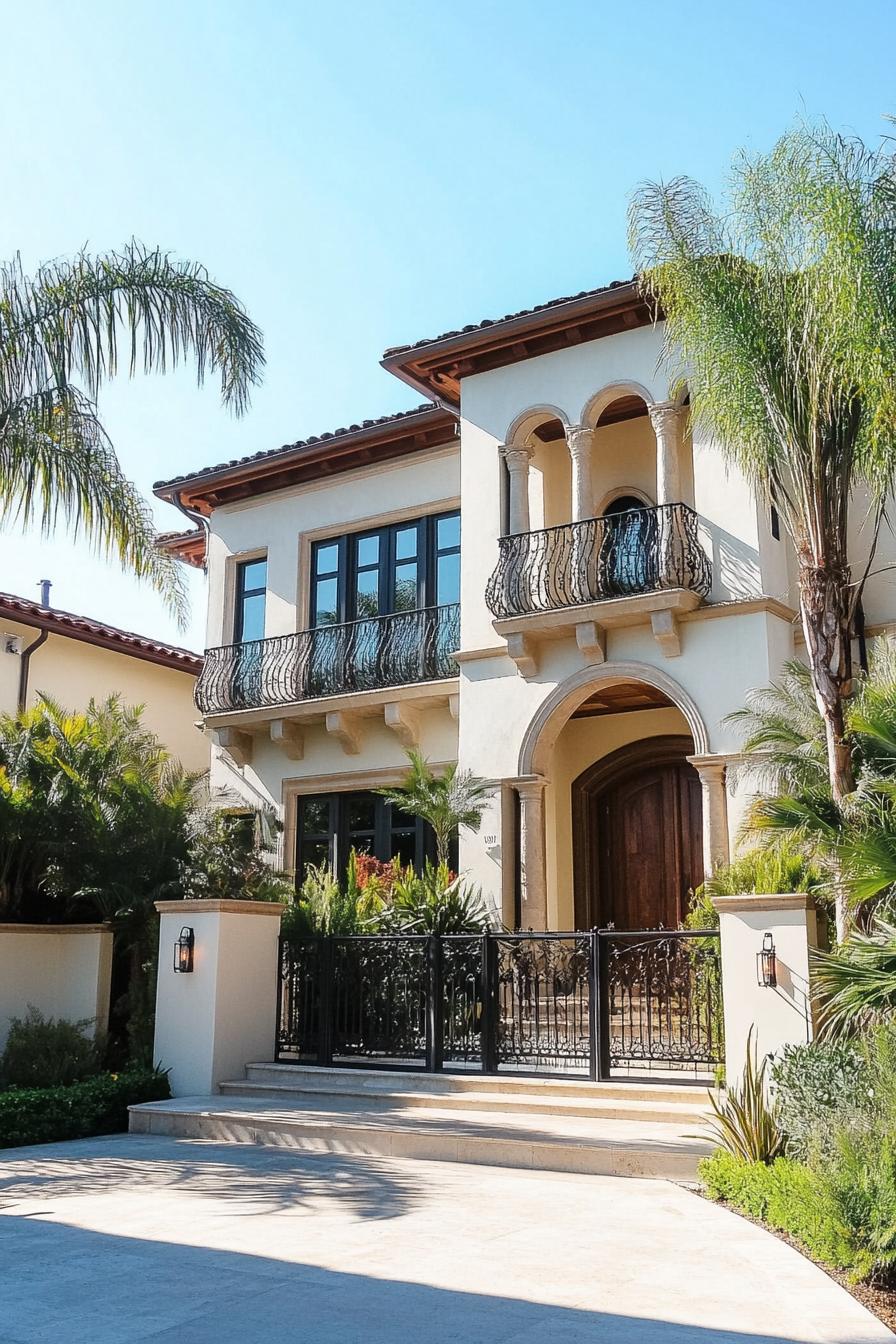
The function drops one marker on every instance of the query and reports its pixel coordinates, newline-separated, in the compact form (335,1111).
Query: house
(540,573)
(73,659)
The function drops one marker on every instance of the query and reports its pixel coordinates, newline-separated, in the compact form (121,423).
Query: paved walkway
(139,1238)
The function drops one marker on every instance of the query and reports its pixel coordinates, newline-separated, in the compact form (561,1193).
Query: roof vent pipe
(45,586)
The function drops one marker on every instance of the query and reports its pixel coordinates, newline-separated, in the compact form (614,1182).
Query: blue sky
(364,174)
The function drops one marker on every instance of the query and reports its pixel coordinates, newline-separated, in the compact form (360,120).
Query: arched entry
(637,836)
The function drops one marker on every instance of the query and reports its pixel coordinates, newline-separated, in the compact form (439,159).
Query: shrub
(434,901)
(325,906)
(231,858)
(743,1121)
(48,1052)
(816,1087)
(95,1106)
(762,869)
(857,1186)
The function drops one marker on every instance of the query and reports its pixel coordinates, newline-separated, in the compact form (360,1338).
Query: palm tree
(63,332)
(447,801)
(782,312)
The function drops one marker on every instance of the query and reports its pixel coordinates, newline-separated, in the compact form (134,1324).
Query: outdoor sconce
(767,963)
(183,951)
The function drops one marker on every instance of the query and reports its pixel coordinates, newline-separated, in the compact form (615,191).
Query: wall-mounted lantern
(767,963)
(183,951)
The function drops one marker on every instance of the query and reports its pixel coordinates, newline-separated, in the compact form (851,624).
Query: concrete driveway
(140,1238)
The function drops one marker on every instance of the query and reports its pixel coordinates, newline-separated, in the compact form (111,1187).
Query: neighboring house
(616,594)
(72,659)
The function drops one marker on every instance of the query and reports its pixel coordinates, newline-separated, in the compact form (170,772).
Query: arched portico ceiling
(546,725)
(551,419)
(602,400)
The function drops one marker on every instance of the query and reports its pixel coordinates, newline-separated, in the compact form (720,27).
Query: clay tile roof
(314,439)
(83,628)
(508,317)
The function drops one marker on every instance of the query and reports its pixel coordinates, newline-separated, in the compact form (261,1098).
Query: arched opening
(622,833)
(623,456)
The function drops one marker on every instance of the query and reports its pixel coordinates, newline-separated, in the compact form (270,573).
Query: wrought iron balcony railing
(641,551)
(365,655)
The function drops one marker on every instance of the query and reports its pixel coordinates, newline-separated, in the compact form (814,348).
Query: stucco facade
(542,445)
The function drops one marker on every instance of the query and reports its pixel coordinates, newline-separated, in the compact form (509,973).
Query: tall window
(330,825)
(398,568)
(251,585)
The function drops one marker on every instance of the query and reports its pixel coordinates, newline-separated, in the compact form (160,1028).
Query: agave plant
(744,1121)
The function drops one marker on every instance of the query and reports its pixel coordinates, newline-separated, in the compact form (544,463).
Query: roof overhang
(81,628)
(437,367)
(189,547)
(296,464)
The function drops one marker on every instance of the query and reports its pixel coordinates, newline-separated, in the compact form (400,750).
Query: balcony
(403,648)
(646,565)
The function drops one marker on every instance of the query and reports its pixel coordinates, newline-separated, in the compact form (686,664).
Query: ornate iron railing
(662,999)
(641,551)
(577,1004)
(375,652)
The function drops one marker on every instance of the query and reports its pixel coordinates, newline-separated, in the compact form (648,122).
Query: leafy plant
(857,1189)
(325,906)
(48,1052)
(856,984)
(782,308)
(817,1086)
(447,800)
(95,1106)
(434,901)
(65,331)
(743,1121)
(230,857)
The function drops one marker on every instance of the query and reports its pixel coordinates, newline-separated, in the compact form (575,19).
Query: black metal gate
(586,1005)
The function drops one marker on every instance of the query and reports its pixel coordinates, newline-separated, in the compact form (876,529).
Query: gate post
(220,1014)
(489,1004)
(325,962)
(603,1012)
(434,1004)
(777,1014)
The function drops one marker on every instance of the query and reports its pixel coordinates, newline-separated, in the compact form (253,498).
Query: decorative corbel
(592,640)
(665,632)
(523,652)
(346,728)
(237,744)
(404,721)
(288,735)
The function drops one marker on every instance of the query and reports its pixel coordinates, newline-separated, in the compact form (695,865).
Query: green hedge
(788,1196)
(95,1106)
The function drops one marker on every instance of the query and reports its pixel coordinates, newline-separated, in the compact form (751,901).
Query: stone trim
(55,928)
(216,907)
(790,900)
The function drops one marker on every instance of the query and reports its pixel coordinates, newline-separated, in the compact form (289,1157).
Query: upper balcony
(375,653)
(640,565)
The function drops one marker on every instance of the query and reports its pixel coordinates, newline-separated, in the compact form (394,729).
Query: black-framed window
(251,589)
(401,567)
(330,825)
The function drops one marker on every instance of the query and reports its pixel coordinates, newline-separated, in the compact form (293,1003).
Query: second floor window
(251,586)
(402,567)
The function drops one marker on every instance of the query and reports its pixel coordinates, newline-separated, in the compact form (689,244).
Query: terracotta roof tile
(508,317)
(96,632)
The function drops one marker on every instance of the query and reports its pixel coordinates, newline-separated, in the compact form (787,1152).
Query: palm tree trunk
(824,608)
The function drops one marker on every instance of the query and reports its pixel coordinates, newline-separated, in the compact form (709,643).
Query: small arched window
(625,547)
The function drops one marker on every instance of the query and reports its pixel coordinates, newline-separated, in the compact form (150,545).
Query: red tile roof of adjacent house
(67,623)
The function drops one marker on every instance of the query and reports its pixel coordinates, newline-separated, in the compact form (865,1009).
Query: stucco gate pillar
(780,1013)
(214,1020)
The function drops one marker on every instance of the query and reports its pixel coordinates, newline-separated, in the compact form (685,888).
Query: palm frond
(856,985)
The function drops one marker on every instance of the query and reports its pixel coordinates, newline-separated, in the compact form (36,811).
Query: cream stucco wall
(62,970)
(72,672)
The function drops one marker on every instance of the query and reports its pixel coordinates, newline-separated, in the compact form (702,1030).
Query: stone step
(359,1125)
(362,1081)
(634,1106)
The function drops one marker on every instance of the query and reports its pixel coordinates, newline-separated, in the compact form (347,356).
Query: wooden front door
(638,838)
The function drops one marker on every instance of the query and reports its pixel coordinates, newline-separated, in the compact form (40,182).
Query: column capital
(710,766)
(529,785)
(665,416)
(517,456)
(579,439)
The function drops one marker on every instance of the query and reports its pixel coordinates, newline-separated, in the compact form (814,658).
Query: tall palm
(63,332)
(782,313)
(446,800)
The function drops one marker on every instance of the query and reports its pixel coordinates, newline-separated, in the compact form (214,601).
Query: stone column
(776,1014)
(517,458)
(580,440)
(213,1021)
(667,420)
(533,861)
(716,845)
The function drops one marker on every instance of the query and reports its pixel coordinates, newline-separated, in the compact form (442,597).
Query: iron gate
(586,1005)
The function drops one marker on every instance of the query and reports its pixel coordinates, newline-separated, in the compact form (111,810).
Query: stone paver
(141,1238)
